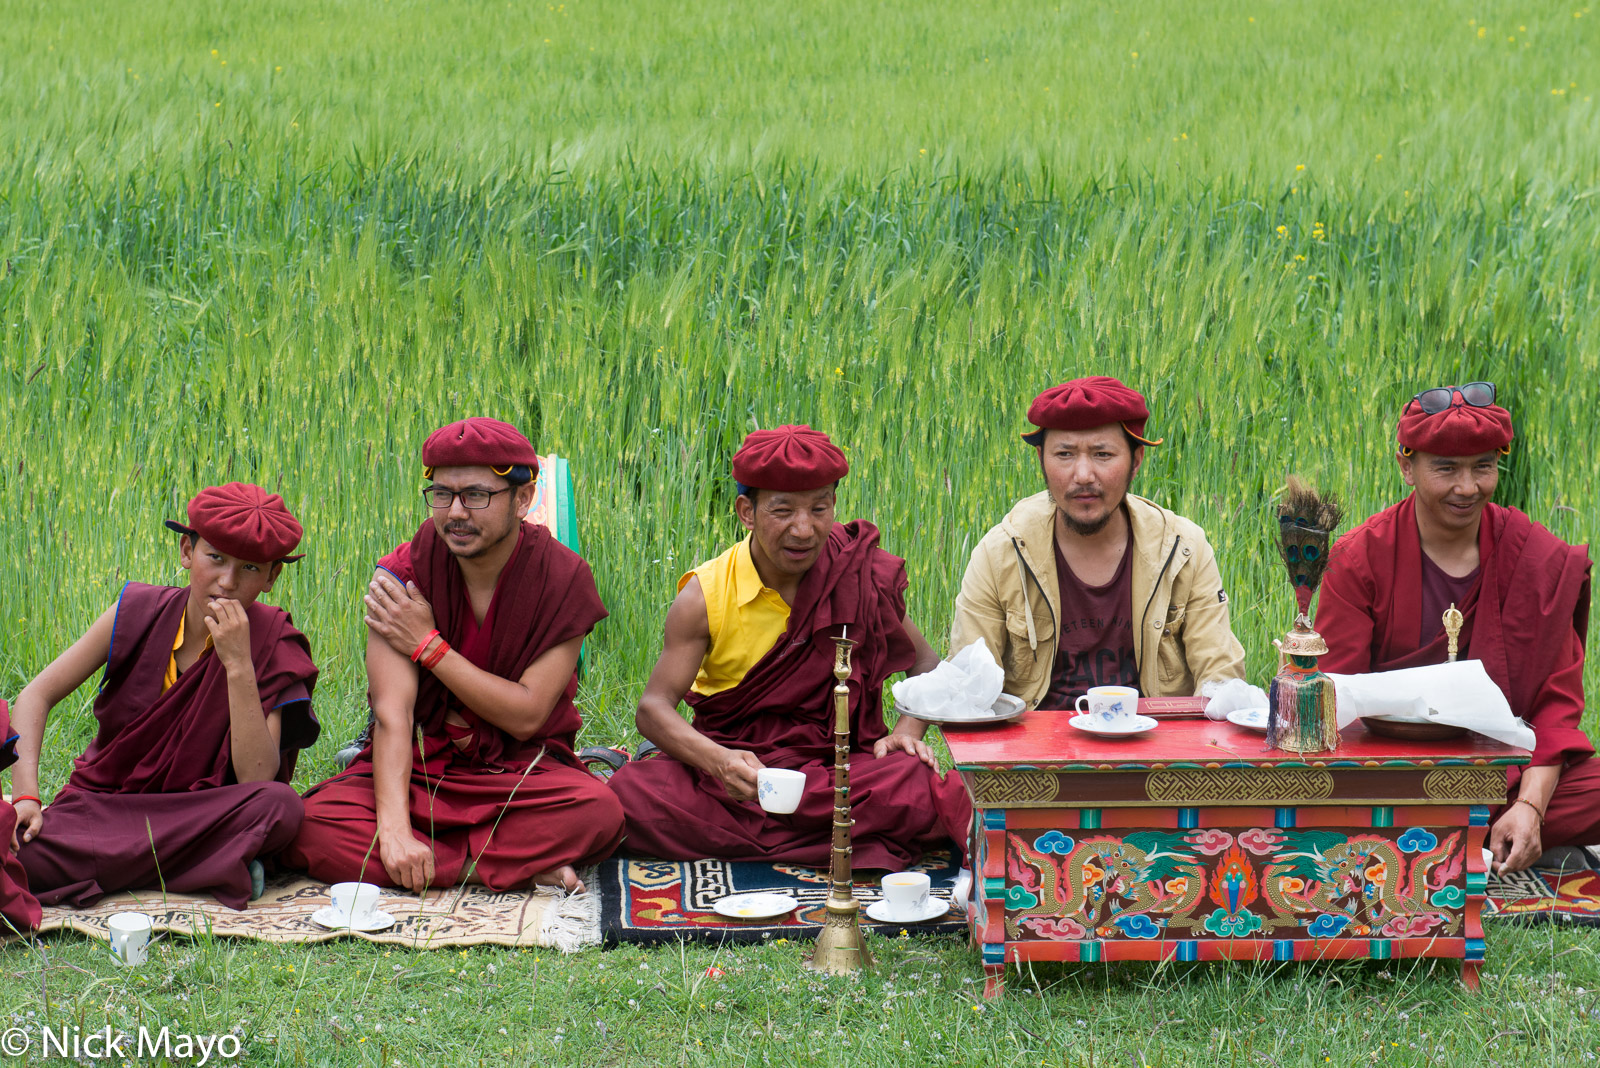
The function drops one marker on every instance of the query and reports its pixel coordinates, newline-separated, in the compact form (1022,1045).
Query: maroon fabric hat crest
(244,521)
(1085,403)
(479,442)
(789,459)
(1459,430)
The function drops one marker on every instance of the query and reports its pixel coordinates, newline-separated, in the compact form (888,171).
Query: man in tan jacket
(1085,584)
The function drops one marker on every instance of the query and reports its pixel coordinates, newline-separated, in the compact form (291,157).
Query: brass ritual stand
(840,946)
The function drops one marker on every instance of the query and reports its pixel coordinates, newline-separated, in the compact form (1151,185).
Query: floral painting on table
(1257,882)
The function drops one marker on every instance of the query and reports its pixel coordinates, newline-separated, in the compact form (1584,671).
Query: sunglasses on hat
(1475,394)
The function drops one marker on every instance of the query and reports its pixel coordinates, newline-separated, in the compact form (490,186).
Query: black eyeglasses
(1475,394)
(441,498)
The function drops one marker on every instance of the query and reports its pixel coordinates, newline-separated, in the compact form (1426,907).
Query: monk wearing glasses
(473,633)
(1524,594)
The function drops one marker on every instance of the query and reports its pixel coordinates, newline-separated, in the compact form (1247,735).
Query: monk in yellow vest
(749,647)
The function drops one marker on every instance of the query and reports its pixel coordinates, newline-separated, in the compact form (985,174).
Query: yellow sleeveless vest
(746,618)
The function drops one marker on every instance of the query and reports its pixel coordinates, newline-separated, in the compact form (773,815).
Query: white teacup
(1113,706)
(778,790)
(907,894)
(130,937)
(354,903)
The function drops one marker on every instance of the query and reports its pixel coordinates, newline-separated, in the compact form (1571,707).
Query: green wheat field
(280,242)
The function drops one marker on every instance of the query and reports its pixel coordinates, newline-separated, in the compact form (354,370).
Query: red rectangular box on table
(1196,842)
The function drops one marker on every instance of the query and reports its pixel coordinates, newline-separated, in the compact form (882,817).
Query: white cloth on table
(1460,694)
(1230,696)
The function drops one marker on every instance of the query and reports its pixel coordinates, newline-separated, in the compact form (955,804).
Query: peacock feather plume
(1307,519)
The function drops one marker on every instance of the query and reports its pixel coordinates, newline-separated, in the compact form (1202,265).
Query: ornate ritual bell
(840,946)
(1302,716)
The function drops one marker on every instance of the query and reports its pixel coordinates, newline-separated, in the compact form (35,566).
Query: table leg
(1469,973)
(994,982)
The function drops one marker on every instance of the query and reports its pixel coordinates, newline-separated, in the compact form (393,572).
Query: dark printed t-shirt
(1439,592)
(1096,644)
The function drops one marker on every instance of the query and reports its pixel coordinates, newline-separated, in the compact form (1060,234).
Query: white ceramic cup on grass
(1111,706)
(130,937)
(778,790)
(354,903)
(907,893)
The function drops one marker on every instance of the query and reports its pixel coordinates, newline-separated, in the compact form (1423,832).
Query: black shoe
(603,761)
(352,749)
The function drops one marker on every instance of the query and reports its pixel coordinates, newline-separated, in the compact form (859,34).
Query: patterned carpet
(643,900)
(1548,897)
(456,916)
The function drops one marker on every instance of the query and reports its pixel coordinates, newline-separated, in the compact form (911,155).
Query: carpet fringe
(574,922)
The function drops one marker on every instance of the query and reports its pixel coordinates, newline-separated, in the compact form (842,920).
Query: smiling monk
(749,647)
(473,633)
(1524,594)
(203,707)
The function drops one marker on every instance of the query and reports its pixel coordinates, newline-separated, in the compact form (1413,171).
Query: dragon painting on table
(1257,882)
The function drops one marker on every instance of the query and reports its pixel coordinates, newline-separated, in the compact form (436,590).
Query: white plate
(1091,724)
(1005,709)
(1251,719)
(878,912)
(758,906)
(334,920)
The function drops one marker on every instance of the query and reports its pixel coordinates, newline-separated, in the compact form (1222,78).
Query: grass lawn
(283,241)
(357,1004)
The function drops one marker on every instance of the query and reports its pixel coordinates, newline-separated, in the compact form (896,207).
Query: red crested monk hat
(1460,430)
(480,442)
(245,521)
(1085,403)
(789,459)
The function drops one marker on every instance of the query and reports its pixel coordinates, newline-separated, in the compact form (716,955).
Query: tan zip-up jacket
(1011,598)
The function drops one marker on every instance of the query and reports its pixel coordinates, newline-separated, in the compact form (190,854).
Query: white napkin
(1230,696)
(1460,694)
(965,685)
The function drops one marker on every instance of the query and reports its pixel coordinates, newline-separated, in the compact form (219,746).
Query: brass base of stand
(841,948)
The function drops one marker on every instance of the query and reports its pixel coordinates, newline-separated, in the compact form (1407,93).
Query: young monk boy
(1524,594)
(473,633)
(203,706)
(749,646)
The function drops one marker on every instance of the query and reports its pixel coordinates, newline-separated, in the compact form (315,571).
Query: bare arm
(392,689)
(684,646)
(518,706)
(252,736)
(908,730)
(32,710)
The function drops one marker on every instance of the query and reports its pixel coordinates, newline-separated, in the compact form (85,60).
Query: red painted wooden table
(1197,842)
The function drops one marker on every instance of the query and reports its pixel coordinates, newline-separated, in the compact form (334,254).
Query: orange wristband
(1530,804)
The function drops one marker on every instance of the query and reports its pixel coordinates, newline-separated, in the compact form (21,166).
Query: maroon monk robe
(472,795)
(19,910)
(154,801)
(1526,620)
(782,712)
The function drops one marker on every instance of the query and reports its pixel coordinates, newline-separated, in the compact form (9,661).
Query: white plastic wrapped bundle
(965,685)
